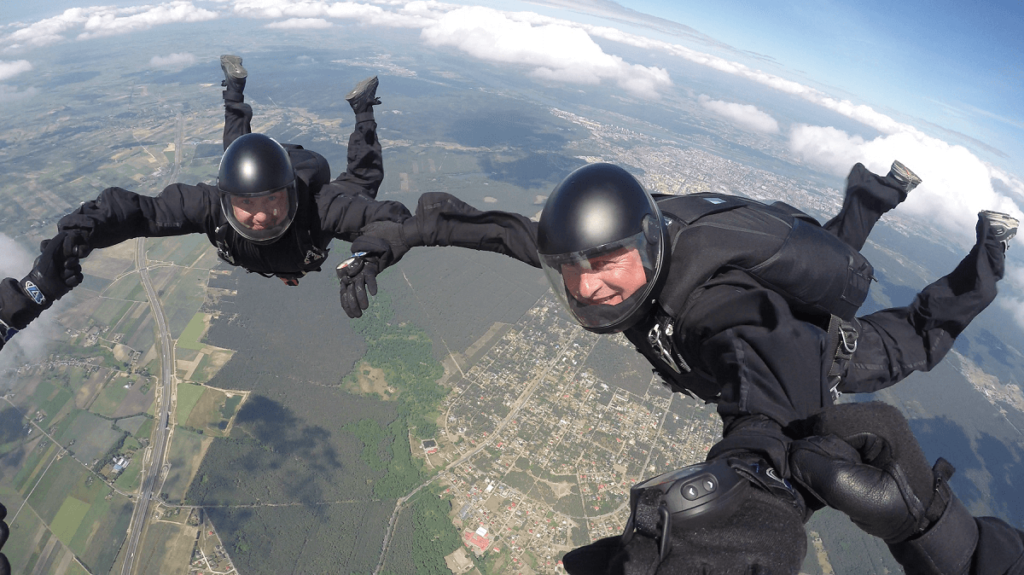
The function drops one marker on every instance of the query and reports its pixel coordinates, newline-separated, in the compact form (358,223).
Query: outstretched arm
(441,220)
(118,215)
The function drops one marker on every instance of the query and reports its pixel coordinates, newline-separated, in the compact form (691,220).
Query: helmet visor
(602,287)
(261,218)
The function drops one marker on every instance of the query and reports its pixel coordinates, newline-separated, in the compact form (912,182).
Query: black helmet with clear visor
(601,241)
(257,185)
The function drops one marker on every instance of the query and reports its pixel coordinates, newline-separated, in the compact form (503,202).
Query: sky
(934,84)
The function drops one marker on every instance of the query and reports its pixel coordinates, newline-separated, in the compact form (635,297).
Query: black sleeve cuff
(946,548)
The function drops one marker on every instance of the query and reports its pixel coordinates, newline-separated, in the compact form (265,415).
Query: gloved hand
(5,566)
(357,275)
(78,228)
(860,479)
(53,274)
(871,468)
(381,240)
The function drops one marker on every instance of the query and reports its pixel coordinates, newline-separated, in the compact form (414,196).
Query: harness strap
(842,340)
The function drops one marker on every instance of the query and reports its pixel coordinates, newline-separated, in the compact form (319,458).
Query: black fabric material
(17,310)
(327,209)
(755,353)
(443,220)
(808,266)
(1000,548)
(765,536)
(868,196)
(947,546)
(896,342)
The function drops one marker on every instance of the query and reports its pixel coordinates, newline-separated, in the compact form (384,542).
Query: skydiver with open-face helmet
(274,209)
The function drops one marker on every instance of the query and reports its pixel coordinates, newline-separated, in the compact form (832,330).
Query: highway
(152,474)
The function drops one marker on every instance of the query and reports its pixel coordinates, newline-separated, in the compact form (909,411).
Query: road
(152,474)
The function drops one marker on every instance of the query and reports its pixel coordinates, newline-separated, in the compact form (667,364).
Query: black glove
(5,566)
(381,240)
(357,275)
(78,229)
(53,274)
(882,481)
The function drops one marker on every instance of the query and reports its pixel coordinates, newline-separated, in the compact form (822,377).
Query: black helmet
(257,186)
(601,242)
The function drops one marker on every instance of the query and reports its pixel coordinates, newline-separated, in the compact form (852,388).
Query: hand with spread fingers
(379,246)
(358,275)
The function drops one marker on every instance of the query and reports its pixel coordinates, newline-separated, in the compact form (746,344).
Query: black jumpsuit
(755,353)
(326,209)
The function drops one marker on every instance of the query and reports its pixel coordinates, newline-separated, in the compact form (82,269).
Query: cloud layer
(743,115)
(176,60)
(12,69)
(957,185)
(97,21)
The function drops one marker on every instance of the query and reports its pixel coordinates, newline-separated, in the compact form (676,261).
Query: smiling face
(610,279)
(262,212)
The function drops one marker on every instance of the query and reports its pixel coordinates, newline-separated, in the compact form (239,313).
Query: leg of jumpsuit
(365,169)
(237,118)
(868,196)
(895,342)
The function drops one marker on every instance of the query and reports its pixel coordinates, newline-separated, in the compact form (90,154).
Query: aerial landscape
(175,414)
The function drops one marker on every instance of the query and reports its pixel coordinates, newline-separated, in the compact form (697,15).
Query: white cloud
(109,23)
(957,185)
(300,23)
(49,30)
(556,51)
(96,21)
(12,69)
(743,115)
(860,113)
(176,60)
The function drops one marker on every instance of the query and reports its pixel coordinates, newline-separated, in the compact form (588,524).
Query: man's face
(611,279)
(261,213)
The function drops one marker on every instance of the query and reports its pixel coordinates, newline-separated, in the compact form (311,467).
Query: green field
(132,424)
(189,338)
(93,436)
(188,396)
(34,465)
(183,457)
(110,398)
(146,429)
(68,519)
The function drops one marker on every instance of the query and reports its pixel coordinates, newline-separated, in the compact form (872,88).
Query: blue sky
(958,65)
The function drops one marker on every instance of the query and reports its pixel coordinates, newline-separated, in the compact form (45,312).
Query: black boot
(363,97)
(1001,227)
(907,179)
(234,77)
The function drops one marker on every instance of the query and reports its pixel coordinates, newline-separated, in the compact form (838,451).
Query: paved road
(152,475)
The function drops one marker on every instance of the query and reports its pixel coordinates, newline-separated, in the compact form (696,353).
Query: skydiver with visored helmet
(273,211)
